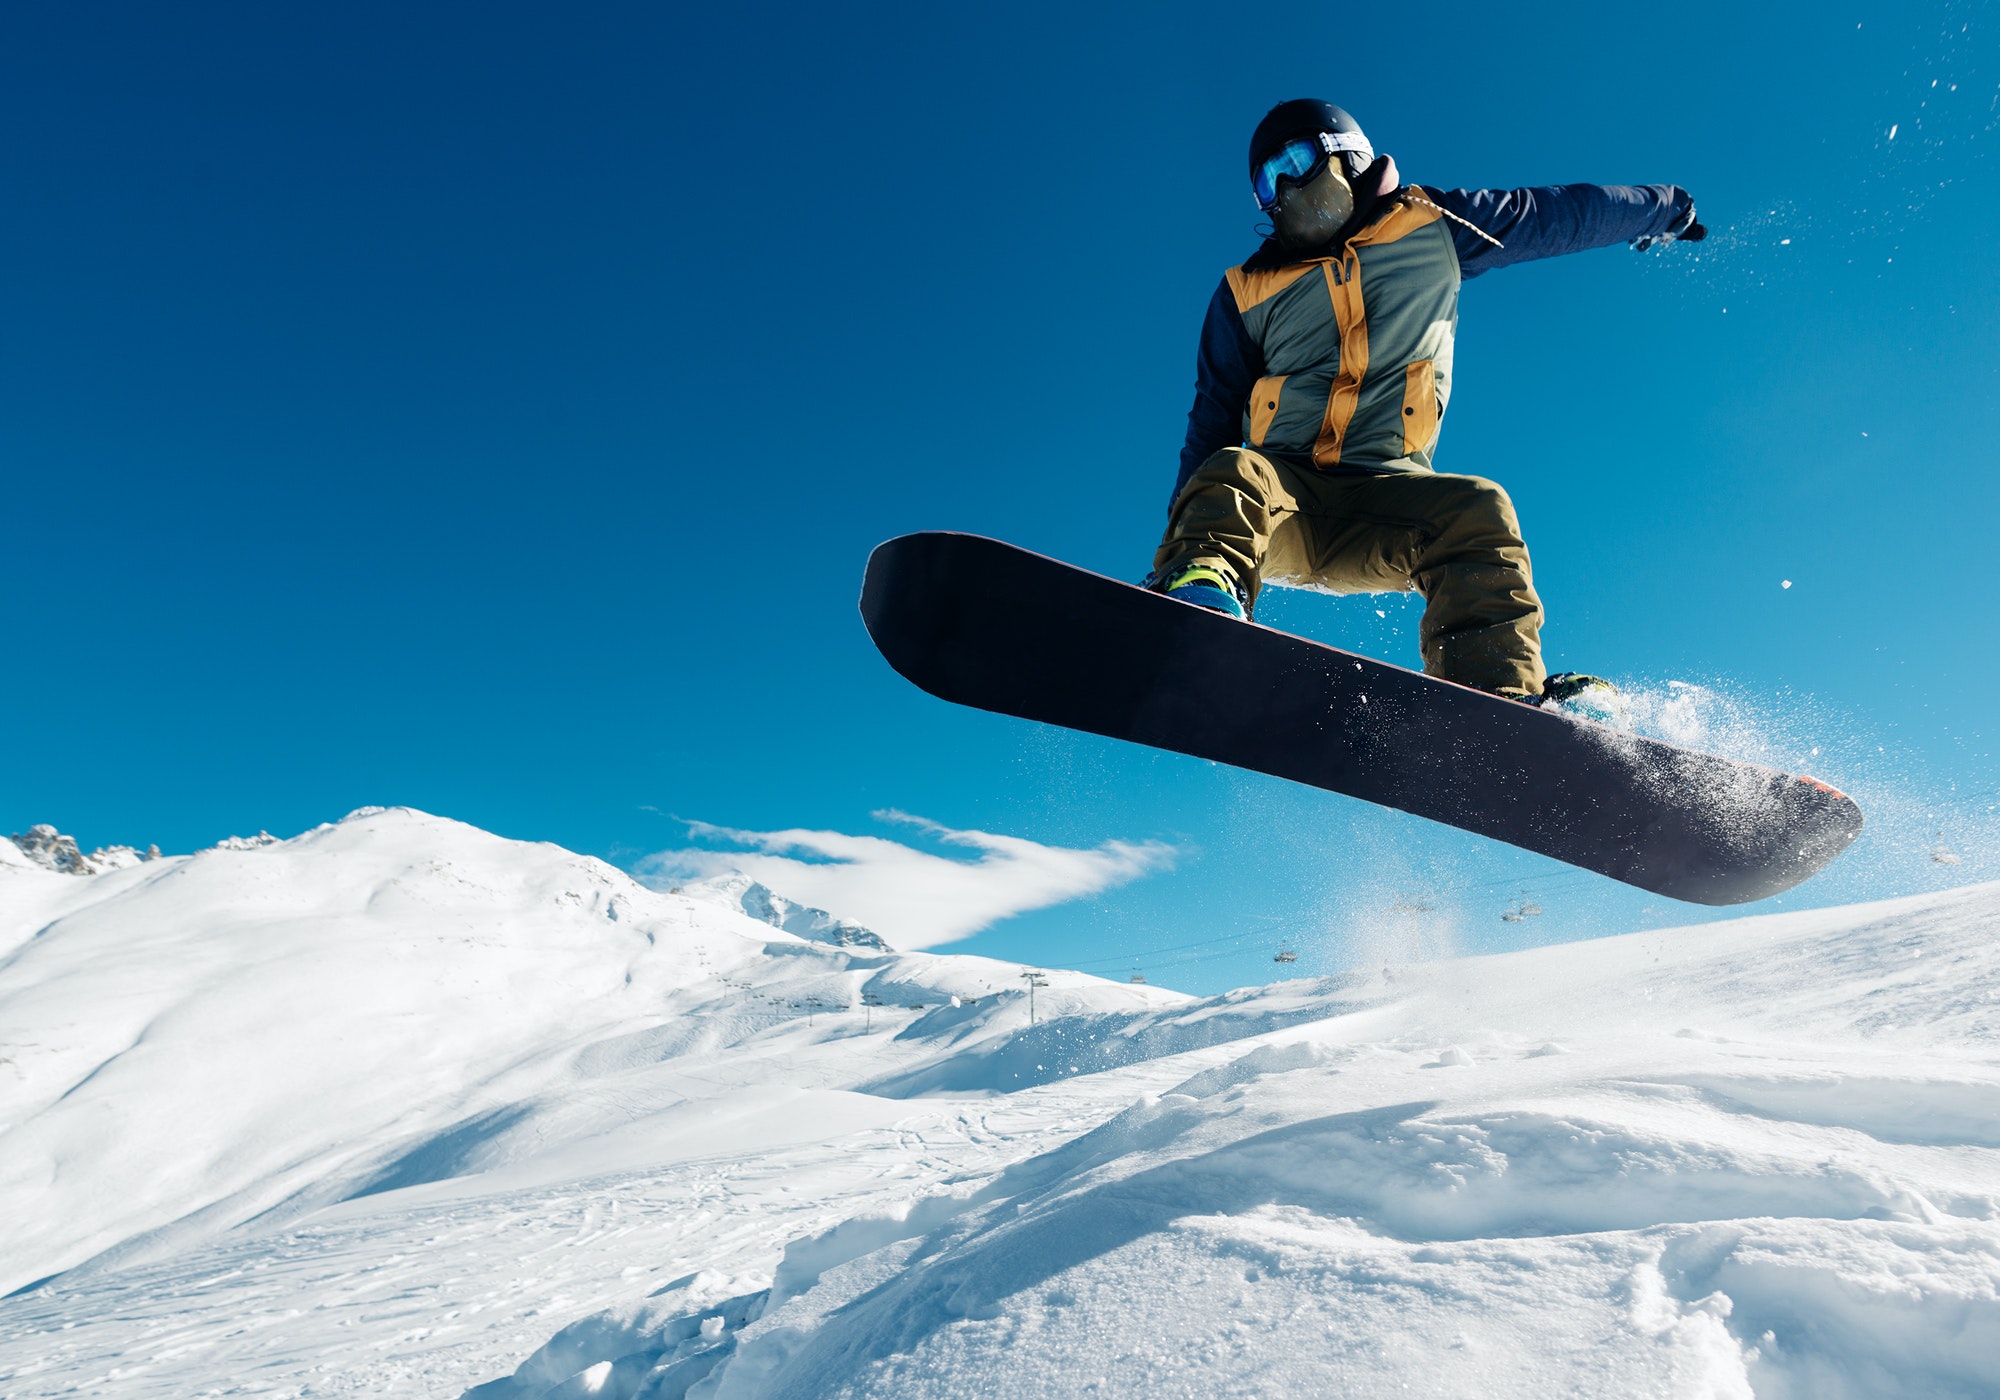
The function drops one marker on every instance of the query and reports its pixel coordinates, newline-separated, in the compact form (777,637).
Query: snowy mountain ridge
(42,845)
(397,1106)
(739,892)
(48,848)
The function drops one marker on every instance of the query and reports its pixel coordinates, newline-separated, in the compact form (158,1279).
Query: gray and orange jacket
(1342,362)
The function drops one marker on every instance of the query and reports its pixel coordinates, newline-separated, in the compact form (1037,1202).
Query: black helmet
(1304,117)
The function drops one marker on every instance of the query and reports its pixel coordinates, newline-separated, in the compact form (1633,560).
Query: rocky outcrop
(745,895)
(52,850)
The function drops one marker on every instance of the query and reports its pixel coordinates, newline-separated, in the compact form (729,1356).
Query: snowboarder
(1321,383)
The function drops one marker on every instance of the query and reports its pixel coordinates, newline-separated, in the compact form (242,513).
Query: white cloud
(913,898)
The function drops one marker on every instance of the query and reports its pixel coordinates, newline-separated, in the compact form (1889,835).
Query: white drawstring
(1455,218)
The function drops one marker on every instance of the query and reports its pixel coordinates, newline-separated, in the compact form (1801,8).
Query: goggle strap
(1354,141)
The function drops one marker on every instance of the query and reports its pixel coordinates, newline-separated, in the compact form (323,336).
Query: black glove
(1688,232)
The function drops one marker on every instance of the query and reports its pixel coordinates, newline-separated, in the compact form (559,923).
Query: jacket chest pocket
(1420,406)
(1264,407)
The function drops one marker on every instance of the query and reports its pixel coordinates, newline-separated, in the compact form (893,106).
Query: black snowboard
(982,623)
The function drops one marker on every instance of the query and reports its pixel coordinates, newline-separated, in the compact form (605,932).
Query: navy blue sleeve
(1555,219)
(1227,367)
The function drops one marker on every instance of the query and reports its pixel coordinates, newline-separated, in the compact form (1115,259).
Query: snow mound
(1761,1162)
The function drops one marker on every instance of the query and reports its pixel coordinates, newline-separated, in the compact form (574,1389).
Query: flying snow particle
(1786,584)
(1784,242)
(1892,131)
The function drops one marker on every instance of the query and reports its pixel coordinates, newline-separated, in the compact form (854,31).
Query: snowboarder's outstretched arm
(1541,222)
(1549,220)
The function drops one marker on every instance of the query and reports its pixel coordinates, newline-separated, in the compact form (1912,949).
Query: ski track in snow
(401,1108)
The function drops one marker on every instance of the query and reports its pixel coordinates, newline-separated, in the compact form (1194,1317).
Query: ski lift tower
(812,1006)
(1034,979)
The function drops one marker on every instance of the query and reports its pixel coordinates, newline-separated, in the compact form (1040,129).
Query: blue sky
(490,408)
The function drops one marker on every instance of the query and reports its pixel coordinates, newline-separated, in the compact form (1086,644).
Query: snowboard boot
(1569,685)
(1206,586)
(1565,686)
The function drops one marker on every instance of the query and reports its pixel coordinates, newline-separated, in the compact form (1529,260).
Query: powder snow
(398,1107)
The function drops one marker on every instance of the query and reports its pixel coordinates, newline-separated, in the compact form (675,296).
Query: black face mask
(1309,215)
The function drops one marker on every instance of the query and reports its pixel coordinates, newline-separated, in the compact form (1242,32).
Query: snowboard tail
(983,623)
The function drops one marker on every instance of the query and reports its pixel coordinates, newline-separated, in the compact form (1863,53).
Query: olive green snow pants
(1453,539)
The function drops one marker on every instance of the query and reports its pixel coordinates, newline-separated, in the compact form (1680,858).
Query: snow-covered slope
(252,1033)
(519,1128)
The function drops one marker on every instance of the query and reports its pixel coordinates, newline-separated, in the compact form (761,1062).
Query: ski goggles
(1302,160)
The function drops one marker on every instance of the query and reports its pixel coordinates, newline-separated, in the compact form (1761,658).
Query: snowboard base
(983,623)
